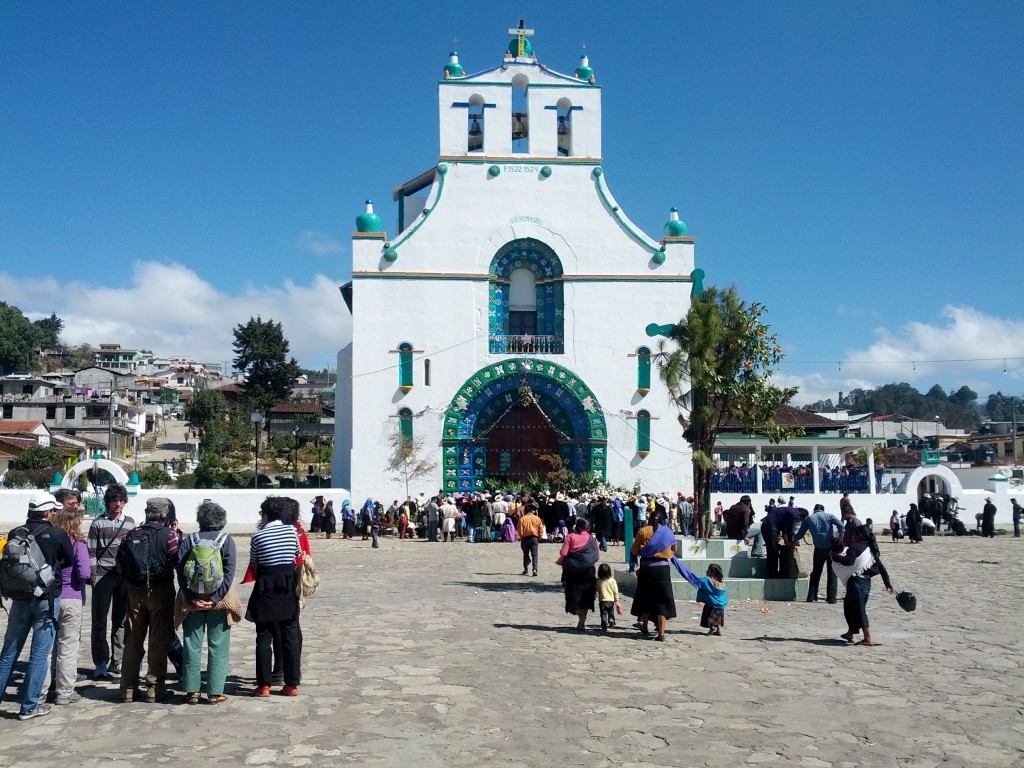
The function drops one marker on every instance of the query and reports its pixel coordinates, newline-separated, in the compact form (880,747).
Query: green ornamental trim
(391,255)
(464,456)
(442,169)
(519,367)
(659,257)
(493,170)
(602,191)
(545,171)
(426,214)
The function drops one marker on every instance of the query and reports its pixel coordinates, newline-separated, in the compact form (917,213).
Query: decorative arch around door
(520,394)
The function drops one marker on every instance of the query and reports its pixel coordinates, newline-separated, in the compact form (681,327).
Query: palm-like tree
(716,363)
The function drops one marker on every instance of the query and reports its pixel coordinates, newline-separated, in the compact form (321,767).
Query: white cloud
(967,347)
(172,311)
(319,243)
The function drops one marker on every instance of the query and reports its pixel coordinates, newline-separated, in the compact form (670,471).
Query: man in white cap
(30,575)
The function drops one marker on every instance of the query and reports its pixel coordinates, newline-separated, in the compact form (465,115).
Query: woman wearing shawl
(508,531)
(366,518)
(651,557)
(348,520)
(578,557)
(330,522)
(914,524)
(855,567)
(316,521)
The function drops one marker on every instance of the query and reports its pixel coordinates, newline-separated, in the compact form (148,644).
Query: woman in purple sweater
(858,563)
(72,600)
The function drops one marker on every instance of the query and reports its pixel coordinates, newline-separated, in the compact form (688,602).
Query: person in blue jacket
(711,591)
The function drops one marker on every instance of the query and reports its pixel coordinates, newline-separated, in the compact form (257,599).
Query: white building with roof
(506,319)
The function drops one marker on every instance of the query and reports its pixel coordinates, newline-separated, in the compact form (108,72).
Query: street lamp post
(295,458)
(1013,427)
(257,421)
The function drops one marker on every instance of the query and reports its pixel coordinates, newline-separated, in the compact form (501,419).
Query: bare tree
(409,459)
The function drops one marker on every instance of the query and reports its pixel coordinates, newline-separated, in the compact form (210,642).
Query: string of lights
(788,362)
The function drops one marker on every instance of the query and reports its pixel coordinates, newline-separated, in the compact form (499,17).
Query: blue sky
(168,170)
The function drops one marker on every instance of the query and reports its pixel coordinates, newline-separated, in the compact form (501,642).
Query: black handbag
(907,601)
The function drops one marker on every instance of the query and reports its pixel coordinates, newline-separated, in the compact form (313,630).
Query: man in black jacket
(36,612)
(146,560)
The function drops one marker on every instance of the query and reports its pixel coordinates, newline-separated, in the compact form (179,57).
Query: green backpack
(204,566)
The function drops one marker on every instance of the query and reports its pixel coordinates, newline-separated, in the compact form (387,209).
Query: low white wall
(242,505)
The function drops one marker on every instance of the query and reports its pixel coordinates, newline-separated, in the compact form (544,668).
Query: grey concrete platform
(744,575)
(422,654)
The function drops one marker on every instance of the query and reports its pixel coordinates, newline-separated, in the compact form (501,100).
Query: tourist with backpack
(146,560)
(207,602)
(31,568)
(105,534)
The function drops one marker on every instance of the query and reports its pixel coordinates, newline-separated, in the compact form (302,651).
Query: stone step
(738,589)
(732,567)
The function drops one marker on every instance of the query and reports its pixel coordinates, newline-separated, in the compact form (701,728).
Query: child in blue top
(710,591)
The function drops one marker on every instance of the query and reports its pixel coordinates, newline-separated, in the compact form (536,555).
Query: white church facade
(506,319)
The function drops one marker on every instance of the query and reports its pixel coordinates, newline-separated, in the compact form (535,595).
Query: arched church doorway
(520,444)
(511,414)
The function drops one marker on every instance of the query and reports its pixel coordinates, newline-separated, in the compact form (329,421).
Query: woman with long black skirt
(858,564)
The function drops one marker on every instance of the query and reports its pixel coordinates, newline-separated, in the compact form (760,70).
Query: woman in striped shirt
(274,605)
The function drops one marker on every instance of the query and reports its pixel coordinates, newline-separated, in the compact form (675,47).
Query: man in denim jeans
(821,524)
(36,611)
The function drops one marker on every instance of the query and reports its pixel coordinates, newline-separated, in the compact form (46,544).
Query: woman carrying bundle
(855,566)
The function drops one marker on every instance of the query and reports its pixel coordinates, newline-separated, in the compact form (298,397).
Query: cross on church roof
(522,33)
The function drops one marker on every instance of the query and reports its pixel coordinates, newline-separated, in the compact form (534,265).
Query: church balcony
(526,345)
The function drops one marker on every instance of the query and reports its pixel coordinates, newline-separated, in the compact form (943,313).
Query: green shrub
(154,477)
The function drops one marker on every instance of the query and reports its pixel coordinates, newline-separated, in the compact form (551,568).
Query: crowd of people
(482,517)
(146,582)
(739,478)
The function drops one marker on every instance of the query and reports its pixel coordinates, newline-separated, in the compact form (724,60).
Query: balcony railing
(526,345)
(856,482)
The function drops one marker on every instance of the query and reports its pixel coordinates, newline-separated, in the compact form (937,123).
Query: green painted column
(627,522)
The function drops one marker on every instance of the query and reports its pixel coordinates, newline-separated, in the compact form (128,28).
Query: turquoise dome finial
(674,227)
(453,68)
(369,221)
(513,48)
(583,71)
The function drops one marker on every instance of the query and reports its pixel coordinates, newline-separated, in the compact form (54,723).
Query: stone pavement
(422,654)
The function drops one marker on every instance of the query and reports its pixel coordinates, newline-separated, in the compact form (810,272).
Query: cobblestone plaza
(424,654)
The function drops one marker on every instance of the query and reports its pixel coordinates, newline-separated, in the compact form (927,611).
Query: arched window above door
(526,312)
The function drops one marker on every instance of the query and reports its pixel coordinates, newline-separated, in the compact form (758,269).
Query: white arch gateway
(70,479)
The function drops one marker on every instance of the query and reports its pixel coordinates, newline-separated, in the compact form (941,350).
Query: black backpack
(143,555)
(24,572)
